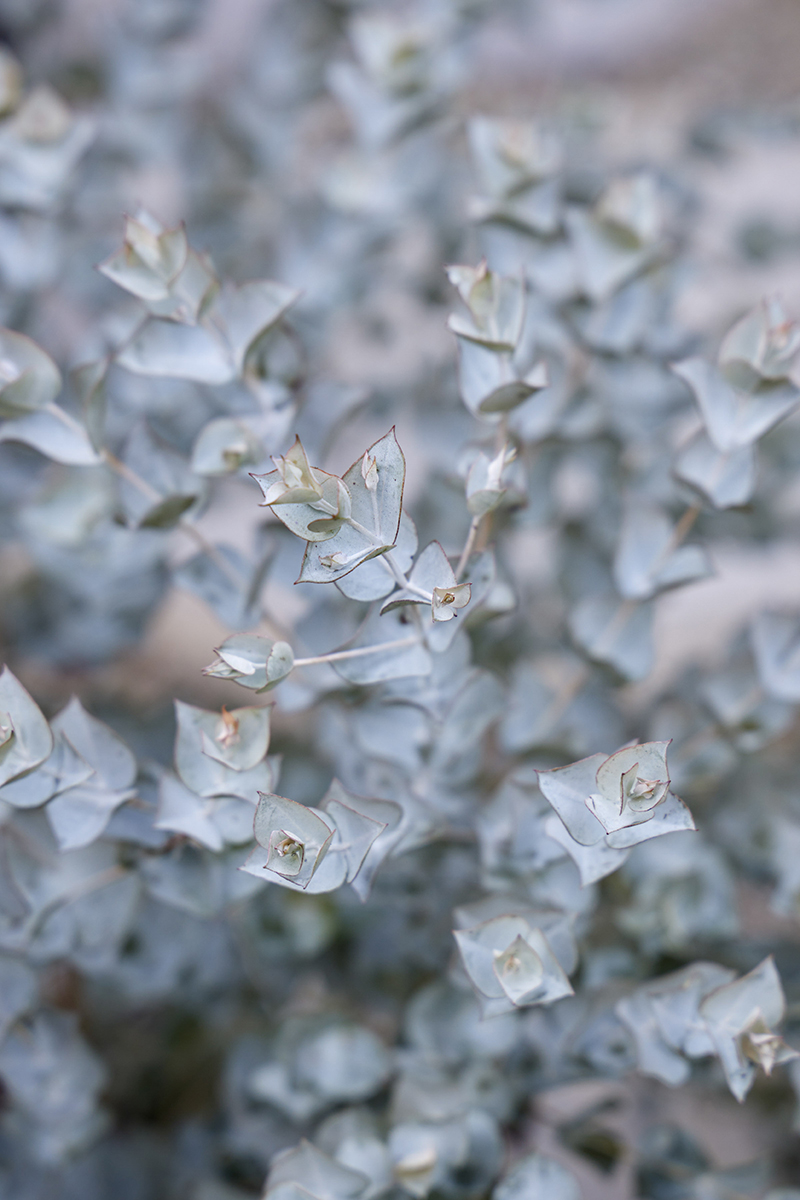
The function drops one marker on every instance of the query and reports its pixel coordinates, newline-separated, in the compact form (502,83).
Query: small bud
(255,662)
(446,601)
(638,793)
(485,487)
(295,837)
(286,853)
(762,1046)
(510,963)
(520,971)
(228,734)
(369,472)
(296,483)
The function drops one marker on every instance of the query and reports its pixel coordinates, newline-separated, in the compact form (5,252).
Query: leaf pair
(345,521)
(512,962)
(315,850)
(703,1009)
(608,804)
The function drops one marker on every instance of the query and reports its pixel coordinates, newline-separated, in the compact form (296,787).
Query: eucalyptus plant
(434,863)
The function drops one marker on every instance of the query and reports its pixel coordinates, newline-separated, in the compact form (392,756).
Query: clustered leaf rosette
(761,348)
(193,328)
(76,767)
(751,389)
(517,959)
(316,849)
(590,295)
(741,1017)
(398,83)
(518,163)
(221,763)
(606,805)
(151,263)
(495,369)
(704,1010)
(294,482)
(620,237)
(495,306)
(345,521)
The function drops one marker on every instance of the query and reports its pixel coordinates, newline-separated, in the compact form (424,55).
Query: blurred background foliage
(169,1034)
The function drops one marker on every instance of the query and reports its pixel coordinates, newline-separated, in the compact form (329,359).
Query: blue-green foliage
(436,862)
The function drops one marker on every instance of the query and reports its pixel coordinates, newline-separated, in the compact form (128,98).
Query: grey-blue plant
(441,856)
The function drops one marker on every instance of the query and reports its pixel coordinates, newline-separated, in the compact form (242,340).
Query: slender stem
(188,527)
(468,544)
(423,595)
(682,529)
(615,625)
(361,652)
(391,564)
(403,581)
(228,569)
(567,694)
(376,541)
(65,418)
(125,472)
(501,433)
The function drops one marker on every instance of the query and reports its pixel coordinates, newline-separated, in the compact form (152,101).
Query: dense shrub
(476,862)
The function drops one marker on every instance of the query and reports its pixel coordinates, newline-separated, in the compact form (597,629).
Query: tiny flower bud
(296,483)
(228,733)
(286,853)
(762,1046)
(446,601)
(369,472)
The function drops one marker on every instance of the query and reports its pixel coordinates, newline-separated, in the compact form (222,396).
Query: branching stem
(361,652)
(681,531)
(188,527)
(403,581)
(472,533)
